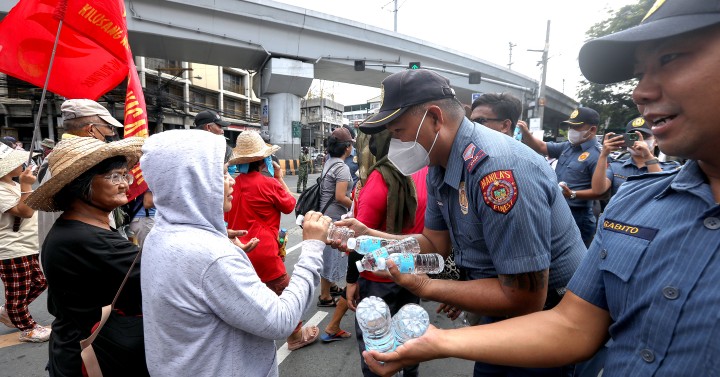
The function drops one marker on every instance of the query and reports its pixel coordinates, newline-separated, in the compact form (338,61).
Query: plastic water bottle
(517,134)
(373,318)
(411,263)
(410,322)
(369,262)
(367,244)
(341,233)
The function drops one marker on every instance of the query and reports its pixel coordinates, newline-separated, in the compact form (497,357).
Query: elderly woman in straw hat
(19,266)
(84,259)
(257,206)
(206,311)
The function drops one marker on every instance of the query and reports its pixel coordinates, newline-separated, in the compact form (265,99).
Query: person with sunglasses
(497,111)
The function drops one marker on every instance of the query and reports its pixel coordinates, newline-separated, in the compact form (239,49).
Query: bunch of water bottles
(376,251)
(384,333)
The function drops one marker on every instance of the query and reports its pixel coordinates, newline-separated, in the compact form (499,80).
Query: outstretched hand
(412,352)
(315,226)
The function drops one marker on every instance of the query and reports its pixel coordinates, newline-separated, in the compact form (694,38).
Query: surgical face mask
(576,137)
(650,144)
(410,156)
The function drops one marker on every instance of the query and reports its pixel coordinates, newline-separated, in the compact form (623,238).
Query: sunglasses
(483,120)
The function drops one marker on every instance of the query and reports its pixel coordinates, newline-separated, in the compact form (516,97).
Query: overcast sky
(481,28)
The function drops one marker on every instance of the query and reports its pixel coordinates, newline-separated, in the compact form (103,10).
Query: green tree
(614,101)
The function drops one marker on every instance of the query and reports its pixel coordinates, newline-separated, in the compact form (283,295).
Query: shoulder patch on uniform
(583,156)
(630,230)
(472,155)
(499,190)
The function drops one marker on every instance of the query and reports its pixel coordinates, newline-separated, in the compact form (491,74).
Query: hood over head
(185,171)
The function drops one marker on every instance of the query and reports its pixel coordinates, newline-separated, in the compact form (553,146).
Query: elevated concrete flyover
(247,34)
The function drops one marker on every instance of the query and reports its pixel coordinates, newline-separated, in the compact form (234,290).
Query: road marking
(283,351)
(290,250)
(8,340)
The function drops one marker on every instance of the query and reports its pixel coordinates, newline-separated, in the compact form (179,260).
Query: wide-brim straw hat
(73,157)
(250,147)
(11,159)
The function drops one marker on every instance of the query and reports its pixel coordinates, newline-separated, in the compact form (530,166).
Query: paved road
(317,360)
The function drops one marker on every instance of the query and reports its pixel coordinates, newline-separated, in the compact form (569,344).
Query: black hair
(336,148)
(80,187)
(504,105)
(256,165)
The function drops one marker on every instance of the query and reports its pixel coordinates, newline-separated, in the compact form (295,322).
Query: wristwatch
(651,161)
(573,194)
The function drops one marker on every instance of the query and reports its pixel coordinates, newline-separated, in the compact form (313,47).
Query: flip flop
(340,335)
(309,335)
(331,303)
(335,291)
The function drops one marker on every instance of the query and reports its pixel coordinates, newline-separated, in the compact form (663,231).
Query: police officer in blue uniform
(576,161)
(641,161)
(492,199)
(649,280)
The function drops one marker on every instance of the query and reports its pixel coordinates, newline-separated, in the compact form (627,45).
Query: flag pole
(60,15)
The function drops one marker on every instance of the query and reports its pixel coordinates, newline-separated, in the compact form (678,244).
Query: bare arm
(528,139)
(27,178)
(148,201)
(340,190)
(571,332)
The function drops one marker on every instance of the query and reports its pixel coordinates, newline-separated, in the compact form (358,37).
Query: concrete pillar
(284,82)
(285,110)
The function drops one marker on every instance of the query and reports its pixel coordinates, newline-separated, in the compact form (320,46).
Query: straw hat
(250,147)
(73,157)
(11,159)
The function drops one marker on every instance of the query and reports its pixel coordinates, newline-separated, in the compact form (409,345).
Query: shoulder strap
(88,354)
(331,198)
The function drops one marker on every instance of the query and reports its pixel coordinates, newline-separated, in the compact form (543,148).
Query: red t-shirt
(371,208)
(256,206)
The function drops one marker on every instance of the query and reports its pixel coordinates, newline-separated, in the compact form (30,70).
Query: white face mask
(650,144)
(576,137)
(409,156)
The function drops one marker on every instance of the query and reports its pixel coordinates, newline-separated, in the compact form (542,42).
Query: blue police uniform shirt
(352,162)
(654,265)
(575,166)
(503,208)
(619,171)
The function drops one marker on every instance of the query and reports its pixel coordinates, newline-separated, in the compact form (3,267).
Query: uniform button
(712,223)
(670,293)
(647,355)
(603,254)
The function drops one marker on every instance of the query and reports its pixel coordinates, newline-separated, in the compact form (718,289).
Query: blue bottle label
(369,244)
(406,263)
(380,253)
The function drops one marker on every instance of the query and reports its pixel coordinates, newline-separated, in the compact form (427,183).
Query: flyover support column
(283,83)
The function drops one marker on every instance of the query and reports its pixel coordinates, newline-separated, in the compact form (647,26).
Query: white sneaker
(38,334)
(5,318)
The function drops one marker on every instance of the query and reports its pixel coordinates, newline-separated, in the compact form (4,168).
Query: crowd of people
(552,287)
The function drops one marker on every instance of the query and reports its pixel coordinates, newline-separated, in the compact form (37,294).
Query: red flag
(91,57)
(135,124)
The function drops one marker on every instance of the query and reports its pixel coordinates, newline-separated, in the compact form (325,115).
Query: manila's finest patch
(499,190)
(583,156)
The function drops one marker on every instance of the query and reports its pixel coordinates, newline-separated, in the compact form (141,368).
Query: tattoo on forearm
(529,281)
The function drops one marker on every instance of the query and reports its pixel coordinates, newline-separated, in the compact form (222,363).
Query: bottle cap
(351,243)
(299,220)
(359,266)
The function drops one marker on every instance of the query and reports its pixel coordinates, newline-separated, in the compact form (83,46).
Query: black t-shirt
(84,266)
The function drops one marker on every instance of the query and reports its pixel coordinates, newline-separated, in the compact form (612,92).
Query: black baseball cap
(583,115)
(638,124)
(610,59)
(403,89)
(206,116)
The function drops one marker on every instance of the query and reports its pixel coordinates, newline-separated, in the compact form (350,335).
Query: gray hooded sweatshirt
(206,312)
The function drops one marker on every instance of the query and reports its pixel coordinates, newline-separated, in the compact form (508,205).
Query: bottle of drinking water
(373,318)
(408,263)
(367,244)
(341,233)
(411,321)
(369,261)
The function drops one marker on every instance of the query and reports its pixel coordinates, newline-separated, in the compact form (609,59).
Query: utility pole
(395,11)
(540,103)
(510,62)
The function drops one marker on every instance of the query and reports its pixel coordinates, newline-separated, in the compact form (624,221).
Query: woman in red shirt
(258,202)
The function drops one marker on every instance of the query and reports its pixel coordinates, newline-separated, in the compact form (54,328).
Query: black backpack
(309,200)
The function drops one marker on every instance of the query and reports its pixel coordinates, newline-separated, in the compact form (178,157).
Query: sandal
(335,290)
(331,303)
(309,335)
(340,335)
